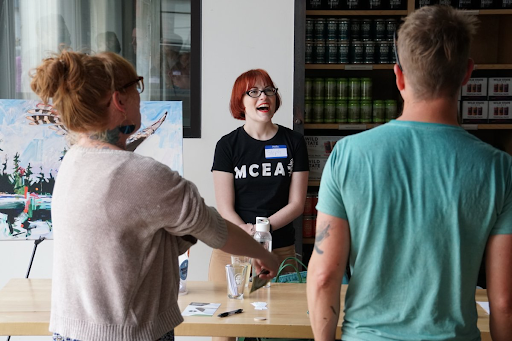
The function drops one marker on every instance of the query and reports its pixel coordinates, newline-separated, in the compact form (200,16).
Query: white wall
(237,35)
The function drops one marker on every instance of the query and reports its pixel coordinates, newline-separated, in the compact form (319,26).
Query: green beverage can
(379,112)
(310,27)
(366,29)
(319,29)
(354,88)
(356,52)
(391,109)
(380,28)
(366,111)
(383,52)
(310,47)
(343,52)
(318,111)
(341,111)
(329,112)
(366,88)
(331,48)
(332,28)
(308,111)
(344,29)
(369,52)
(318,88)
(341,88)
(308,88)
(390,28)
(355,29)
(330,89)
(353,112)
(319,52)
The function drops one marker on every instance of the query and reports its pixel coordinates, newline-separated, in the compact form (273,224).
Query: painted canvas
(33,144)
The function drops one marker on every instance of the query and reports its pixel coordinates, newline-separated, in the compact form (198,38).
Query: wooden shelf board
(308,240)
(495,12)
(355,12)
(492,126)
(493,66)
(396,12)
(314,183)
(390,66)
(340,126)
(337,126)
(342,66)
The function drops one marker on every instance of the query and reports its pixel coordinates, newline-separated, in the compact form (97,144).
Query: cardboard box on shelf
(500,88)
(316,167)
(475,111)
(500,111)
(321,146)
(475,89)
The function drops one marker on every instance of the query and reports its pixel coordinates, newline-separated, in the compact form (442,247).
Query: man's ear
(400,82)
(119,101)
(469,70)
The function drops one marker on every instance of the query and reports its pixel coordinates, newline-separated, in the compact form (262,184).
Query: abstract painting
(33,144)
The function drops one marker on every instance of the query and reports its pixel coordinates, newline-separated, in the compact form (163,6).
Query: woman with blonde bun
(120,219)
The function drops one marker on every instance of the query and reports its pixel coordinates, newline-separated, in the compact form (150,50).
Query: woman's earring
(128,129)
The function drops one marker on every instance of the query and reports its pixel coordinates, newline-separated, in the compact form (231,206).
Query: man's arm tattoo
(320,238)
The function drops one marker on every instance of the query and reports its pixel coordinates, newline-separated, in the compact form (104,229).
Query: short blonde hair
(433,49)
(80,86)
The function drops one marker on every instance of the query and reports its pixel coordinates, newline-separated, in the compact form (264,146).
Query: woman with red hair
(260,169)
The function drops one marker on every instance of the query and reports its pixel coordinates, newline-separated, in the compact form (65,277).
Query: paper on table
(200,309)
(485,306)
(260,305)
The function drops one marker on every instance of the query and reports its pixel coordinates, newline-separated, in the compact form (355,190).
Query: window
(161,38)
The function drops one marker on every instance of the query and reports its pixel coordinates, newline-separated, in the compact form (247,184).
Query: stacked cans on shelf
(345,100)
(356,4)
(350,40)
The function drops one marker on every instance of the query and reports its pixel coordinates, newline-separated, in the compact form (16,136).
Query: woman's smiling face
(262,108)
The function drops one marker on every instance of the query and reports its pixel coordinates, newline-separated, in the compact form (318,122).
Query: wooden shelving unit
(491,52)
(308,241)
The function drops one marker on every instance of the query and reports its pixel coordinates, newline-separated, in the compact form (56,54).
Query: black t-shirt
(262,172)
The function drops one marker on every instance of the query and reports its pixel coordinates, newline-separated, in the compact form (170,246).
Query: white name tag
(276,152)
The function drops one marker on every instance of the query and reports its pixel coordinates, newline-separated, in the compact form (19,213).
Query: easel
(36,243)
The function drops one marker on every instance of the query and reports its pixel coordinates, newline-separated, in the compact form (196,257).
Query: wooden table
(25,310)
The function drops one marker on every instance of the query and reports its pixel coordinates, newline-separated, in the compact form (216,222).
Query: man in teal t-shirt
(412,206)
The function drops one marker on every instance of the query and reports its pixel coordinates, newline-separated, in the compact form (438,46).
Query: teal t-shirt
(421,200)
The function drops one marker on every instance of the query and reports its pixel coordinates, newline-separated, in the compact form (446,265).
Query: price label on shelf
(359,67)
(470,126)
(472,12)
(352,127)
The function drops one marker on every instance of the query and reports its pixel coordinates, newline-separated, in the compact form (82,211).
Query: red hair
(243,83)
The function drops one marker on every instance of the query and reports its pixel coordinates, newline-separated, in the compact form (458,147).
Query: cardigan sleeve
(170,202)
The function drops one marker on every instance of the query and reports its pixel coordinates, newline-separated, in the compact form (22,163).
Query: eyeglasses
(395,38)
(255,93)
(140,84)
